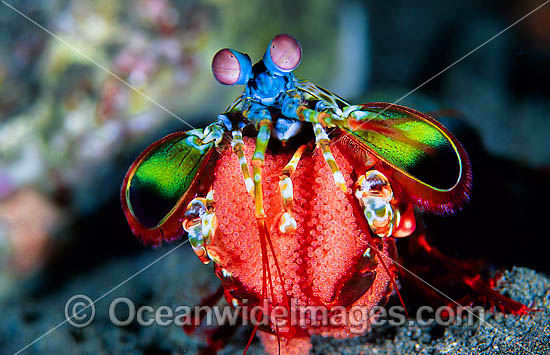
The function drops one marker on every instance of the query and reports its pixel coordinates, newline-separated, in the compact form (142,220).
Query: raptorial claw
(374,193)
(348,110)
(200,223)
(212,133)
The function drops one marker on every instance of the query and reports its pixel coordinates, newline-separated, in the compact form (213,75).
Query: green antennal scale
(160,184)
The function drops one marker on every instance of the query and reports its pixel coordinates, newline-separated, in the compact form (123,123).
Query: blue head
(283,55)
(267,81)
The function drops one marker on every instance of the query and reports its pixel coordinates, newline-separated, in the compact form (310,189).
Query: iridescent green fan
(429,161)
(160,183)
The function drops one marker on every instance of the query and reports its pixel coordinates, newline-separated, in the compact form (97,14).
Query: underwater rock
(180,279)
(499,334)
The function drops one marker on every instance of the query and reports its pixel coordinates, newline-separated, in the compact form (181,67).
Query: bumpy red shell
(322,262)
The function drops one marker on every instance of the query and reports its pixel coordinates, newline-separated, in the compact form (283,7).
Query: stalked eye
(283,55)
(231,67)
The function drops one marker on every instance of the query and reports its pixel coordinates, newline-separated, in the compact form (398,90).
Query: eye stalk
(283,55)
(231,67)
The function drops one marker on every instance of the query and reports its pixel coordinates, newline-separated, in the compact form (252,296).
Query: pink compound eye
(285,53)
(231,67)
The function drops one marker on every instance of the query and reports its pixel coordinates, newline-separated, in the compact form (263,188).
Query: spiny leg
(303,113)
(319,119)
(264,133)
(322,140)
(260,117)
(292,107)
(238,147)
(336,118)
(209,221)
(258,159)
(287,223)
